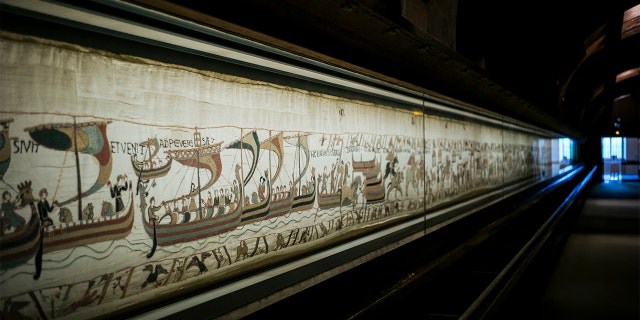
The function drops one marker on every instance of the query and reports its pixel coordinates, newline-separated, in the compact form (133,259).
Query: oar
(155,241)
(39,254)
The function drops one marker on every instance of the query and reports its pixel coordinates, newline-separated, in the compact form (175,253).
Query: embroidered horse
(395,184)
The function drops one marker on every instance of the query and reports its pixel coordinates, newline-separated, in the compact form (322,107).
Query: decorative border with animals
(123,179)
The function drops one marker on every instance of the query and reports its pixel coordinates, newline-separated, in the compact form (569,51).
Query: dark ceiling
(532,60)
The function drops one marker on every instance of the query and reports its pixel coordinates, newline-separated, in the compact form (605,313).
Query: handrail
(504,281)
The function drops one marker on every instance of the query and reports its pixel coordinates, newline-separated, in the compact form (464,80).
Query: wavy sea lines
(189,260)
(56,263)
(230,248)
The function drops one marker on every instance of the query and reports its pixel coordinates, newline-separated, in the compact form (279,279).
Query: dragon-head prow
(26,193)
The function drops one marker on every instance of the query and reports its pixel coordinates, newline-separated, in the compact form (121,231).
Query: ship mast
(197,141)
(75,151)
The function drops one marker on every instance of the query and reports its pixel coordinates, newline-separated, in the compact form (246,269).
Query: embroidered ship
(87,138)
(328,200)
(206,223)
(287,199)
(273,204)
(374,184)
(260,208)
(21,244)
(307,195)
(151,167)
(346,194)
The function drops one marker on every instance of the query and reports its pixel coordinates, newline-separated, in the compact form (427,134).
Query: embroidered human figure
(116,190)
(209,205)
(10,218)
(44,208)
(151,211)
